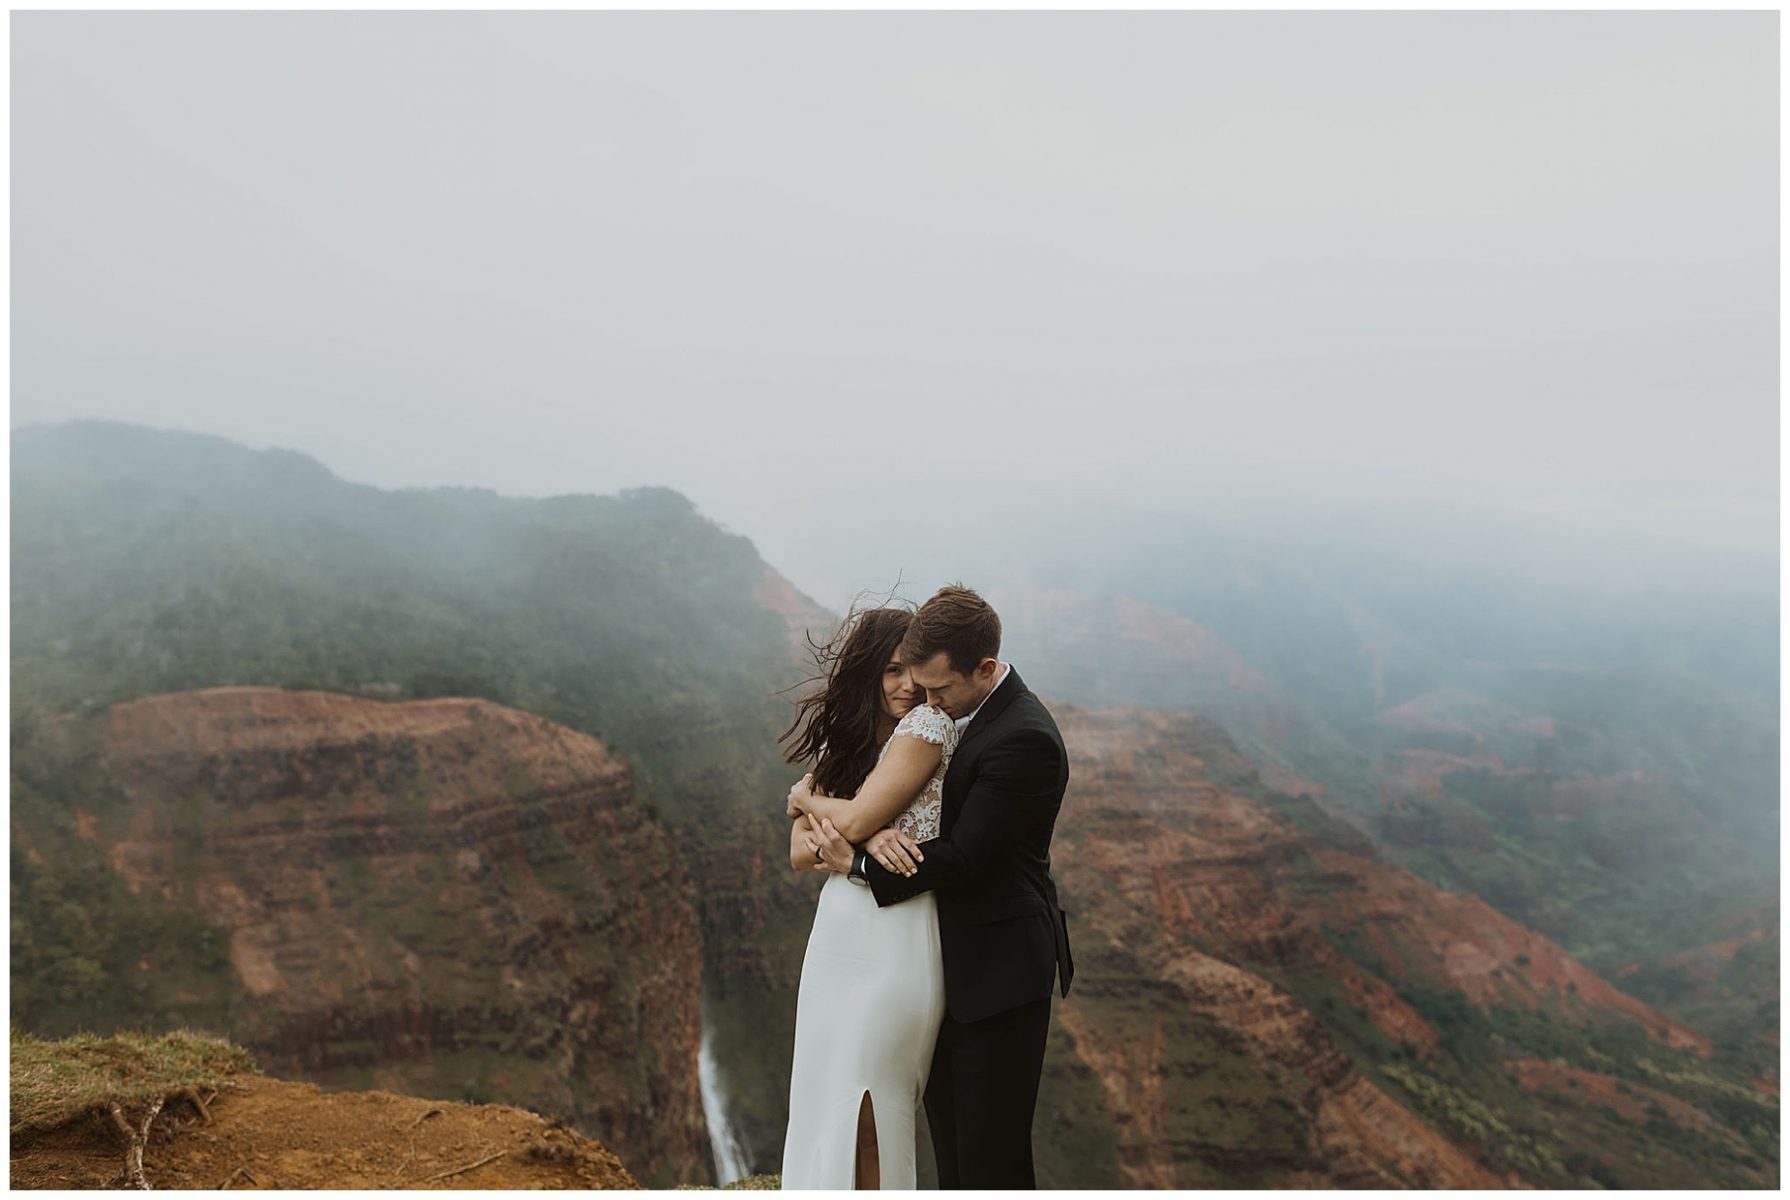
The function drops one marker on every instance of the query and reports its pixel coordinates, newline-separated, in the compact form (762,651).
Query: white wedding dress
(868,1014)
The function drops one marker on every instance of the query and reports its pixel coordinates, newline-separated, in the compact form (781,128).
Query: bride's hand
(798,795)
(895,850)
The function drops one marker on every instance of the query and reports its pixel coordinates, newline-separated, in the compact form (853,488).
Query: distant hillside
(1260,1001)
(1600,767)
(147,562)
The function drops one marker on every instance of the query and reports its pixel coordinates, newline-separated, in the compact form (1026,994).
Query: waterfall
(724,1144)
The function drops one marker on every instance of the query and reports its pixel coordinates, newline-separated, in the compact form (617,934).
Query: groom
(1001,932)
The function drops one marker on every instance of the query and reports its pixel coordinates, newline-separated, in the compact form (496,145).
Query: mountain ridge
(634,620)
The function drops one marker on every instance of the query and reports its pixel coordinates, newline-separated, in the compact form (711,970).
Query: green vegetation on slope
(146,561)
(1553,1140)
(79,933)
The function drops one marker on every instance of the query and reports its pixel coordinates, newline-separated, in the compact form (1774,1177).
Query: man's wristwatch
(857,868)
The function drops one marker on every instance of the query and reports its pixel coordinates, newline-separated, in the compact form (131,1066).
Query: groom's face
(956,693)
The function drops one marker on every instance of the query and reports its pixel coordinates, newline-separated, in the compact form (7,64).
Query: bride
(872,993)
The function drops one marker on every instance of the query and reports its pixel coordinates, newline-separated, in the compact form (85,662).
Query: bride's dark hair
(837,719)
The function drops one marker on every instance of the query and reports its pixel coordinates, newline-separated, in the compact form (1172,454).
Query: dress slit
(867,1159)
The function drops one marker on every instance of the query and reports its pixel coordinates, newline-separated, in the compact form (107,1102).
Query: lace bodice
(920,820)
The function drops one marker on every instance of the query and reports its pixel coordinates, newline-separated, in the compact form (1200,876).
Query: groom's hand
(835,852)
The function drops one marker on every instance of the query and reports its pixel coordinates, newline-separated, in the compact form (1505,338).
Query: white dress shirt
(961,722)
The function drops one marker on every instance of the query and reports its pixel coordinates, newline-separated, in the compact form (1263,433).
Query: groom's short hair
(957,621)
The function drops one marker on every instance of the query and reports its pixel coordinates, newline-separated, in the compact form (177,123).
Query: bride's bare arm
(801,858)
(890,788)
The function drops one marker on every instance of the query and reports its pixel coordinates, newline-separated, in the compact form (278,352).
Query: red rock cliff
(444,897)
(1189,898)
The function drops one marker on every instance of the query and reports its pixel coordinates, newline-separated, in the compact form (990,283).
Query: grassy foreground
(86,1106)
(54,1082)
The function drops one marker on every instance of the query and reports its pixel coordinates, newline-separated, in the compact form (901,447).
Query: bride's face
(900,692)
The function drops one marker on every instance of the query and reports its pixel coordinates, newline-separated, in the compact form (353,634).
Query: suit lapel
(997,703)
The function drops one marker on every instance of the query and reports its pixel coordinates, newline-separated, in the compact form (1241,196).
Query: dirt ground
(277,1134)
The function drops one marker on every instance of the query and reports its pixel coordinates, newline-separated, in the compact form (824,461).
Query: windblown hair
(957,621)
(836,720)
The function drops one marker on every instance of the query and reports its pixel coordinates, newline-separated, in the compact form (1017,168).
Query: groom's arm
(1016,792)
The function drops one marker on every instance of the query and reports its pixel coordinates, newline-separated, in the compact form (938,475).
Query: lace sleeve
(928,724)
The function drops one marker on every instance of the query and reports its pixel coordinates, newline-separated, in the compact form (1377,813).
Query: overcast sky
(824,271)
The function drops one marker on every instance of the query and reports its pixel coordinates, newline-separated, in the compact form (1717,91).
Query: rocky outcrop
(261,1132)
(445,897)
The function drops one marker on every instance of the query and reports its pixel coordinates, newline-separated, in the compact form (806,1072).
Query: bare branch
(192,1094)
(462,1170)
(430,1113)
(242,1171)
(135,1140)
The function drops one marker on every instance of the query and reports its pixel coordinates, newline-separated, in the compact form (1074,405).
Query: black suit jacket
(1001,930)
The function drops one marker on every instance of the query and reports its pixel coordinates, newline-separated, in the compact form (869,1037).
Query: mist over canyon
(1384,867)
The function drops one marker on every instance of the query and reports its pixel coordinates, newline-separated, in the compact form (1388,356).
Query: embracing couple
(938,937)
